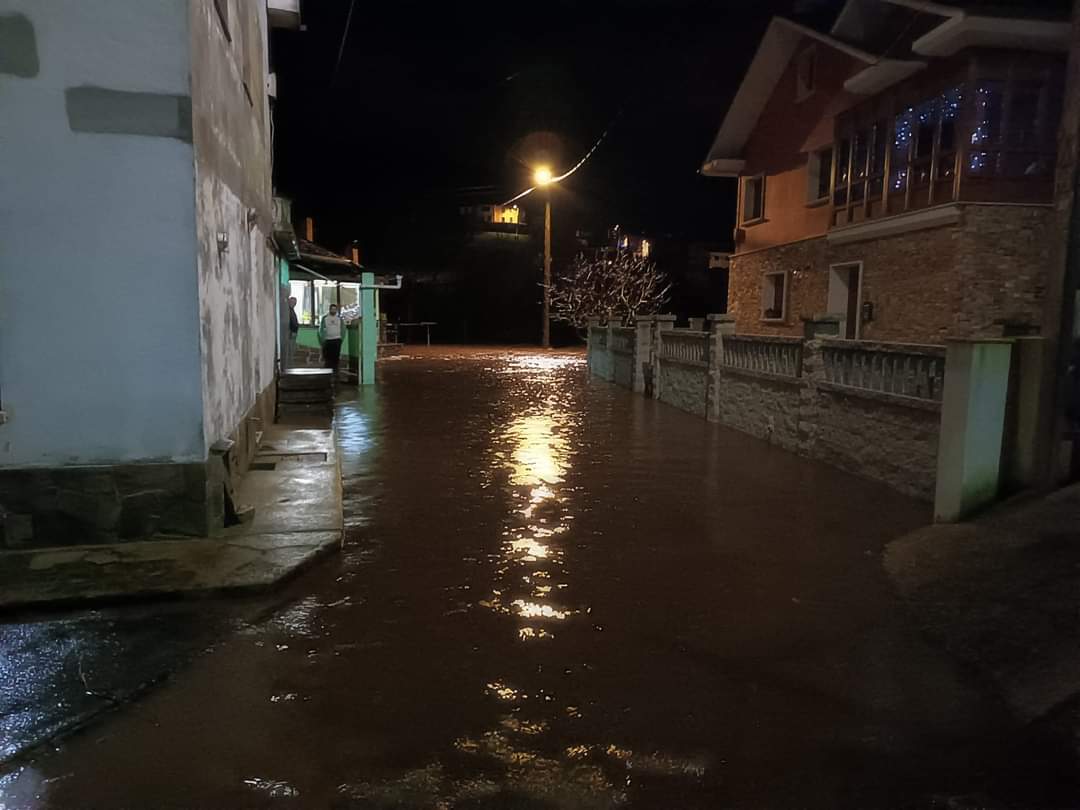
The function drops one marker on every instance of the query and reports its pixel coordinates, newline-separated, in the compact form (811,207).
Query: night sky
(432,104)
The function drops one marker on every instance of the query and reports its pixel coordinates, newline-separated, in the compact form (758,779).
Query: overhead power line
(576,166)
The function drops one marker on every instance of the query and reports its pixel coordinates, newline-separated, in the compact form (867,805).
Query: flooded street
(557,594)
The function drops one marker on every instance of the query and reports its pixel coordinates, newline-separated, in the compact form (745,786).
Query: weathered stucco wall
(99,320)
(237,286)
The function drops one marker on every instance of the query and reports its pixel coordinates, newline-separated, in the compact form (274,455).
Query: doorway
(845,297)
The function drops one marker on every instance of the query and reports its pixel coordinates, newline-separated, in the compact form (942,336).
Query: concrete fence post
(660,324)
(590,343)
(716,327)
(642,355)
(972,426)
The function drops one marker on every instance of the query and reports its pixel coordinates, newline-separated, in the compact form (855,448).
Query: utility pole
(546,339)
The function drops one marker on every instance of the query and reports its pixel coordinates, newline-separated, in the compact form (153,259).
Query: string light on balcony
(981,133)
(904,127)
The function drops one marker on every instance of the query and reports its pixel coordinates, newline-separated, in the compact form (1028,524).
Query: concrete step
(288,397)
(306,383)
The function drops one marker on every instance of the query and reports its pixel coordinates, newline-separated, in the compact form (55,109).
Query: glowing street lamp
(542,177)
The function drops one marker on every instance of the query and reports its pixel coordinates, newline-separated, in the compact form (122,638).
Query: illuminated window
(326,293)
(753,207)
(302,292)
(774,296)
(508,215)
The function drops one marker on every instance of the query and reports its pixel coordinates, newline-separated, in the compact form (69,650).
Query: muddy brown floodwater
(557,594)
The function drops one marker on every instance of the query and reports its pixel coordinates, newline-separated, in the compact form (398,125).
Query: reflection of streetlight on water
(542,177)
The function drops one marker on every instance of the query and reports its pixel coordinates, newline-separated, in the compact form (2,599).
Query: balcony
(984,134)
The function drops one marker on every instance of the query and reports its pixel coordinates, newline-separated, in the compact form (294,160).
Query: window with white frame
(819,175)
(305,300)
(326,293)
(753,202)
(774,296)
(805,74)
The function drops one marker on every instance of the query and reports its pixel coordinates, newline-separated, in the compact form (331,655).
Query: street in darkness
(647,404)
(552,594)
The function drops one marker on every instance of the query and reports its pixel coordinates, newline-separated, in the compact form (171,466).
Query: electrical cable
(576,166)
(344,36)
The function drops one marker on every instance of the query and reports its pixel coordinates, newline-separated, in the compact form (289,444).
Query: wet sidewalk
(295,491)
(556,594)
(1002,594)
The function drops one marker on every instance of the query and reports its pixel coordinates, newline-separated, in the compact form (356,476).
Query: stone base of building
(981,275)
(99,504)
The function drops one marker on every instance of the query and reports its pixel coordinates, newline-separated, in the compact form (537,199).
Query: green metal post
(369,329)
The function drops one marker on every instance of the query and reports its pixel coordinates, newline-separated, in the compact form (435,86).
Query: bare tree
(616,289)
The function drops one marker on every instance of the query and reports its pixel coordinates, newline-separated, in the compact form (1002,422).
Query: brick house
(897,173)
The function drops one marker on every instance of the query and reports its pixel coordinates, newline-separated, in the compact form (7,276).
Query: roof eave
(768,65)
(723,167)
(972,30)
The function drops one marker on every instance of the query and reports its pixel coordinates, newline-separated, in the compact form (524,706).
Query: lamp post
(542,177)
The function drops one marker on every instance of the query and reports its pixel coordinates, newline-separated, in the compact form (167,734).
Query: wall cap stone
(961,340)
(881,396)
(931,349)
(761,375)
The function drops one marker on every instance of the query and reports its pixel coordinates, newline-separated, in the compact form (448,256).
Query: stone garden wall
(622,356)
(762,405)
(601,362)
(683,385)
(870,408)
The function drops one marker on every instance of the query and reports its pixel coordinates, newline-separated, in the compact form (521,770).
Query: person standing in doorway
(331,331)
(294,330)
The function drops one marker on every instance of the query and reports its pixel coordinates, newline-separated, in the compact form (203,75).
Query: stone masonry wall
(885,437)
(1002,268)
(966,280)
(910,280)
(768,408)
(806,292)
(874,438)
(67,506)
(683,385)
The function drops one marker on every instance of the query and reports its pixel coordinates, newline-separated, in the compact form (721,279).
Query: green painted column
(972,426)
(369,329)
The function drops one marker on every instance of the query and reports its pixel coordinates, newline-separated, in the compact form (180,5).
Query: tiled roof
(312,249)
